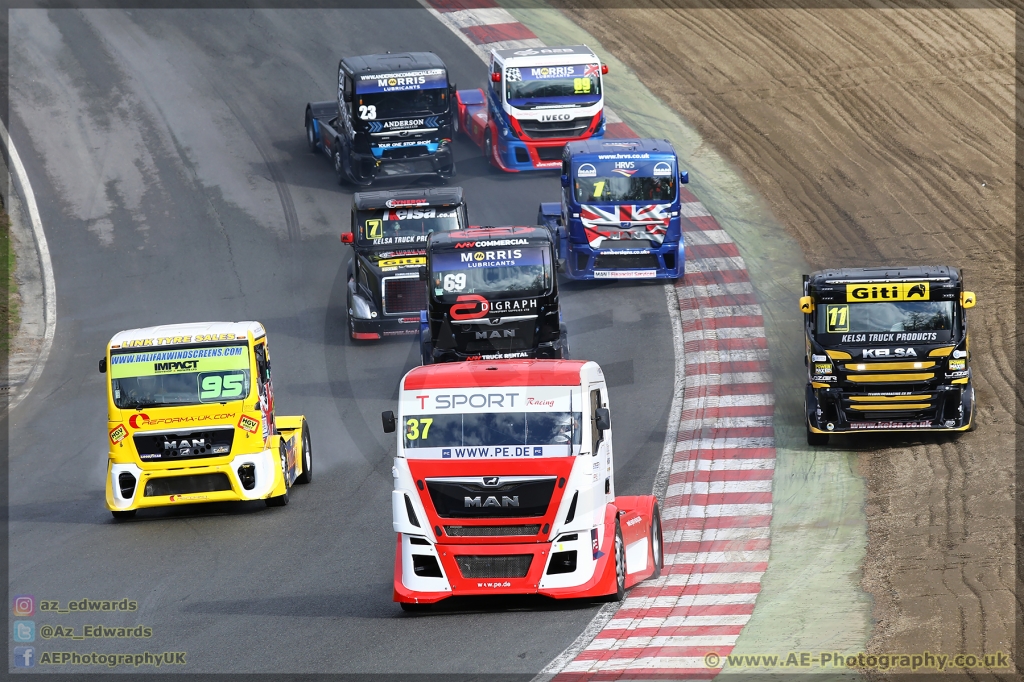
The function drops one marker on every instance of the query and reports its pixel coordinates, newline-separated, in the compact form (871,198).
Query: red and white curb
(717,506)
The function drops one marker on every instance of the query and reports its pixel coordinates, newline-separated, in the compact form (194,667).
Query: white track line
(45,264)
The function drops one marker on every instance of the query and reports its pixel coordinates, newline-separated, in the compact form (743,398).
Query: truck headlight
(361,307)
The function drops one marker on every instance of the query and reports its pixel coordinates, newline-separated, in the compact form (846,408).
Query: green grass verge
(9,309)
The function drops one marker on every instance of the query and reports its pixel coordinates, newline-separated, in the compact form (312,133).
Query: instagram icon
(24,605)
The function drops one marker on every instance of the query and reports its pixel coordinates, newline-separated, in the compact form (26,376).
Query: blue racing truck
(619,214)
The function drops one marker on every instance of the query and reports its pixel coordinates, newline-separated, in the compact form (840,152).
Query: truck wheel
(123,515)
(489,147)
(310,132)
(563,342)
(281,500)
(657,542)
(816,439)
(620,565)
(426,356)
(339,166)
(307,456)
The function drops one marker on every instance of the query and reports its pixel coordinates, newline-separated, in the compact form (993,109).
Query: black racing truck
(389,232)
(492,293)
(393,116)
(887,350)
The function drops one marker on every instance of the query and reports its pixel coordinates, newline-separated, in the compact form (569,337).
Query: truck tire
(563,342)
(426,356)
(307,456)
(489,147)
(339,165)
(619,557)
(657,542)
(310,132)
(123,515)
(281,500)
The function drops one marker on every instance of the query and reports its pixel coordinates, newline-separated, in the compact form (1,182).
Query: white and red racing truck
(504,485)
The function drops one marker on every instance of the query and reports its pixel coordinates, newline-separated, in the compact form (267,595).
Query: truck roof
(389,63)
(489,234)
(163,335)
(598,145)
(545,56)
(396,198)
(942,275)
(476,373)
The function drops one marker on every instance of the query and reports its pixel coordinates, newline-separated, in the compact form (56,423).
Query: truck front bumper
(383,325)
(582,261)
(942,408)
(187,484)
(435,159)
(426,573)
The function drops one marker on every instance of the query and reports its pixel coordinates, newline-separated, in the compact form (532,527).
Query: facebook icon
(24,656)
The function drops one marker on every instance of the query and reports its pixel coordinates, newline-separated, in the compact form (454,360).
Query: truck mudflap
(643,552)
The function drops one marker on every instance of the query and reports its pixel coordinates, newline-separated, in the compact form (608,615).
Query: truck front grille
(459,499)
(186,444)
(910,407)
(185,485)
(404,295)
(507,566)
(543,129)
(492,531)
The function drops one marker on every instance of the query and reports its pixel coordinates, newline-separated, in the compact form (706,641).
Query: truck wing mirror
(347,238)
(684,177)
(968,299)
(423,274)
(604,418)
(388,419)
(806,305)
(565,181)
(495,77)
(346,96)
(103,365)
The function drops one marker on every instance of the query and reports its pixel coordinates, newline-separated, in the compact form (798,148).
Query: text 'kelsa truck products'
(389,235)
(619,217)
(537,99)
(504,484)
(393,116)
(887,350)
(191,418)
(491,293)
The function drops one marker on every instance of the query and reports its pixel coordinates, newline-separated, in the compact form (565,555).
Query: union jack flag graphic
(626,222)
(591,70)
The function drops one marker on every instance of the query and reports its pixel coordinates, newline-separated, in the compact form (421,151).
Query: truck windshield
(390,105)
(525,271)
(473,430)
(622,189)
(934,319)
(403,225)
(163,378)
(528,87)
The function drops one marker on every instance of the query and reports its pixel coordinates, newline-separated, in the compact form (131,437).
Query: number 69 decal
(367,112)
(455,282)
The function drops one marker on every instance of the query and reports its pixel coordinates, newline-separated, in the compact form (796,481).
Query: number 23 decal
(367,112)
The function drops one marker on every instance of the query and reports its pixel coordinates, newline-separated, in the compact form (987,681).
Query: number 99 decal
(215,387)
(416,429)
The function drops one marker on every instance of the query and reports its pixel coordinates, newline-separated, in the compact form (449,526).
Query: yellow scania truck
(191,419)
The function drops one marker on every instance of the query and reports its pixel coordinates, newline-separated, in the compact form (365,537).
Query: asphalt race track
(166,152)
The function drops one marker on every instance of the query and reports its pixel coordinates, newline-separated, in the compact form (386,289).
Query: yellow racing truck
(887,349)
(191,419)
